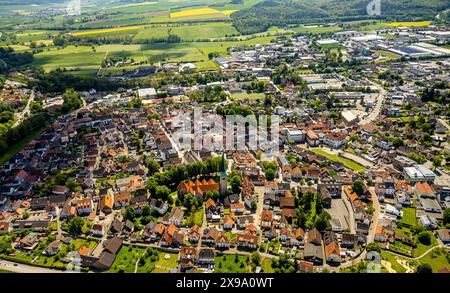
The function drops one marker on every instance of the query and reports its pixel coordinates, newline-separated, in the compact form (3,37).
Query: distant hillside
(284,12)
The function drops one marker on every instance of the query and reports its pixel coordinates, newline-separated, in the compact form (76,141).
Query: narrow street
(26,111)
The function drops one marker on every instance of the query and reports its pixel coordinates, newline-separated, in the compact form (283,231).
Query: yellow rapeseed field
(106,30)
(194,12)
(412,23)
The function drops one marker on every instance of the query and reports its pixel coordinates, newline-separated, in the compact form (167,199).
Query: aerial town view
(225,136)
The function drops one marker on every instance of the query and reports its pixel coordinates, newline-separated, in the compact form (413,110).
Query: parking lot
(342,211)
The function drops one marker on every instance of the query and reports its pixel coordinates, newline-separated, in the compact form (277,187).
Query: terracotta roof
(332,248)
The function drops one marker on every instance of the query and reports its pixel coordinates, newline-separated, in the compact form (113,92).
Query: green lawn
(266,265)
(389,55)
(422,248)
(245,96)
(160,271)
(437,259)
(196,218)
(231,263)
(392,258)
(126,259)
(409,216)
(170,263)
(5,272)
(335,158)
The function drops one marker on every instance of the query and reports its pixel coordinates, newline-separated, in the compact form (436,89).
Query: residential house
(313,250)
(84,207)
(206,257)
(247,241)
(175,217)
(188,258)
(194,234)
(332,249)
(121,199)
(98,230)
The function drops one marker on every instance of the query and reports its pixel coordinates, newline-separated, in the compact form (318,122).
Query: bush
(424,269)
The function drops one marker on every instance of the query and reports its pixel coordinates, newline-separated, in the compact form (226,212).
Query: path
(388,266)
(136,265)
(100,67)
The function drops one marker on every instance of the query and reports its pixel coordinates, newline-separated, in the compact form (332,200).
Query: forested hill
(284,12)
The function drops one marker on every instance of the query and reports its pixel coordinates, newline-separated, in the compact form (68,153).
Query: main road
(23,268)
(377,109)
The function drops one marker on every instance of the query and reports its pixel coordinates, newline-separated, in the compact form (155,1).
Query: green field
(422,248)
(231,263)
(437,259)
(81,58)
(316,29)
(335,158)
(266,266)
(196,218)
(167,263)
(388,55)
(393,259)
(245,96)
(126,259)
(409,216)
(87,60)
(189,32)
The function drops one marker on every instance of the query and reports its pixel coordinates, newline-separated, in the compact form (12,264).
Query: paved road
(370,237)
(260,190)
(26,111)
(23,268)
(377,109)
